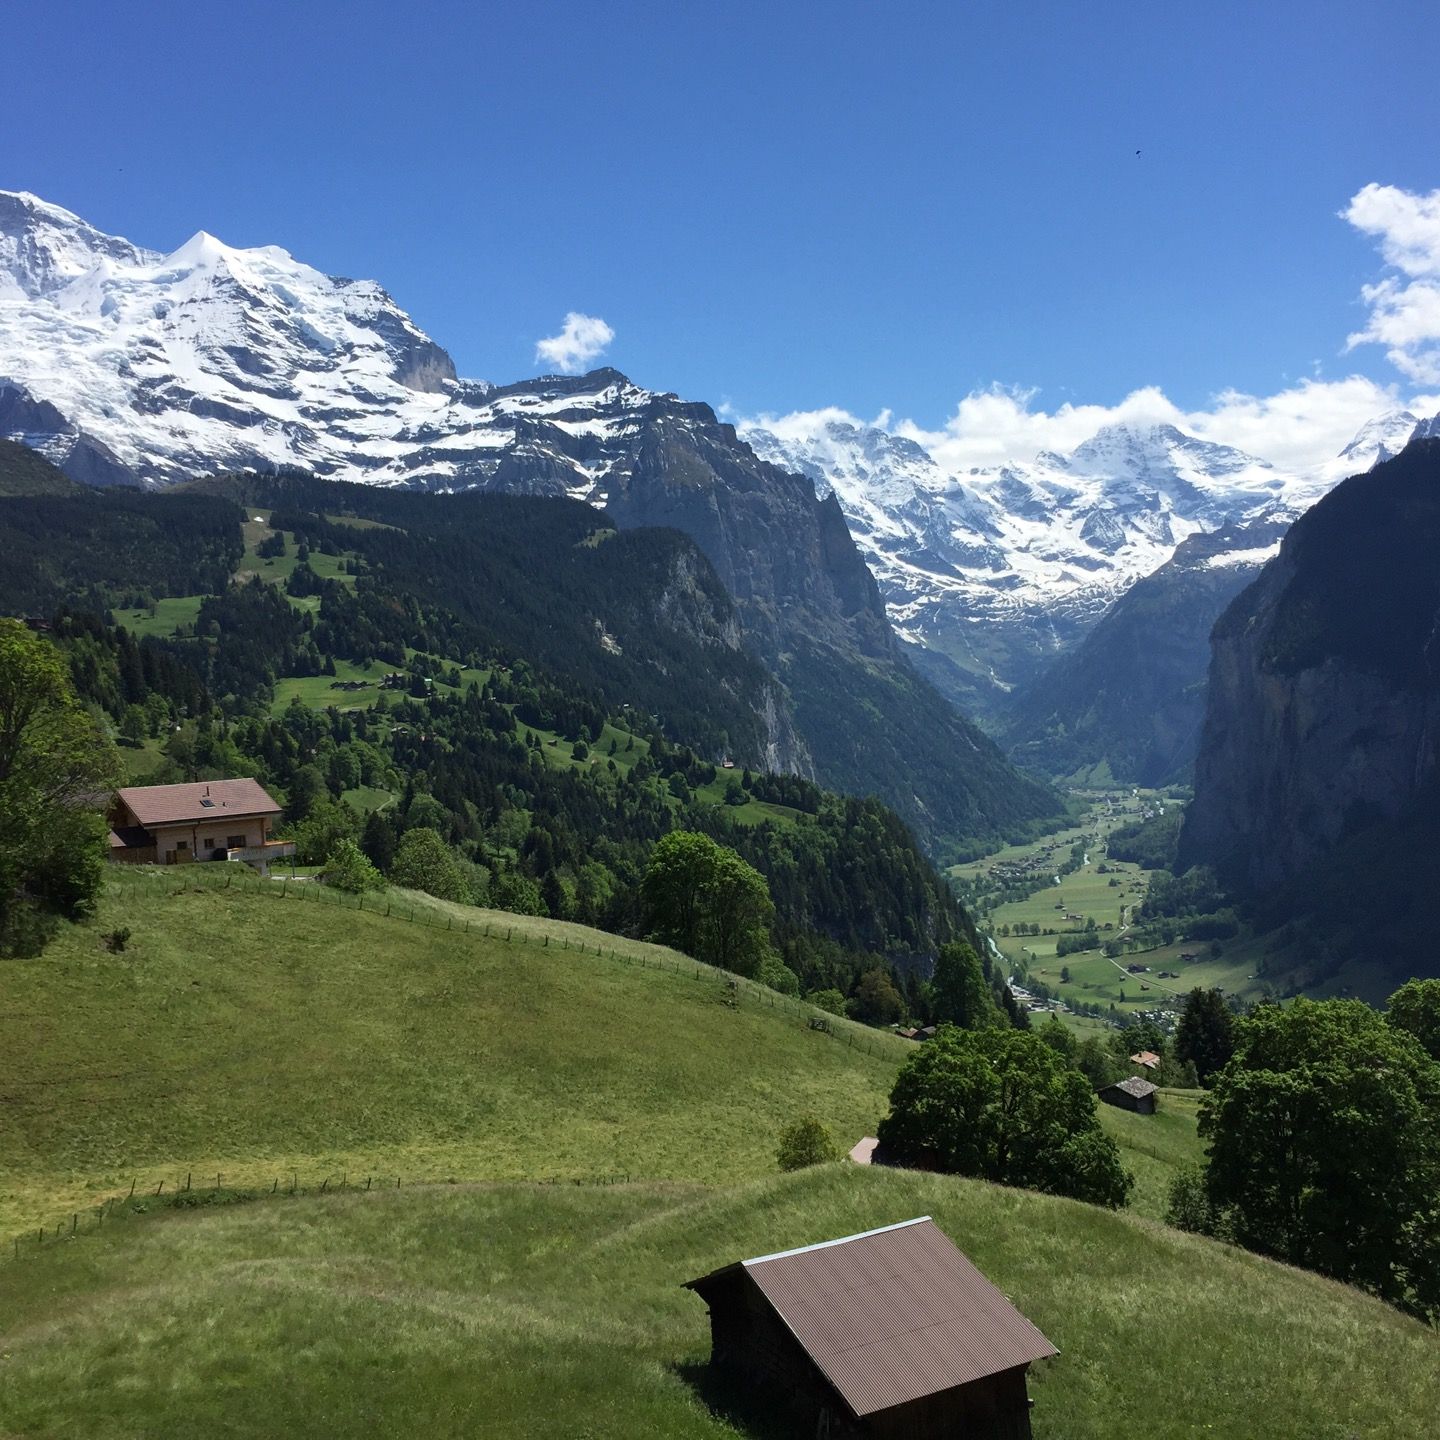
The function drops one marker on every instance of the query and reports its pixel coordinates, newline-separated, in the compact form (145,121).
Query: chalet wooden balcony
(263,854)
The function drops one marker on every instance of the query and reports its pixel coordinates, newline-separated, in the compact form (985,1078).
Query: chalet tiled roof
(205,800)
(893,1314)
(1148,1058)
(1134,1086)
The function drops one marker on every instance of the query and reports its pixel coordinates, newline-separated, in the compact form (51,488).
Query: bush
(806,1142)
(348,869)
(1189,1206)
(831,1001)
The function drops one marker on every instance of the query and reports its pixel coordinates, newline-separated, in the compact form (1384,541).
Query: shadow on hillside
(755,1411)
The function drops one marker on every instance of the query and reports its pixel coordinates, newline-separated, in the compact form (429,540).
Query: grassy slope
(253,1035)
(525,1310)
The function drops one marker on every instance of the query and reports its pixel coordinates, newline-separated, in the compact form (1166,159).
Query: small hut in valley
(1132,1094)
(892,1333)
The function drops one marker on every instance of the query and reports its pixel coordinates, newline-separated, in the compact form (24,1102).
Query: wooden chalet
(209,820)
(892,1333)
(1148,1058)
(1132,1094)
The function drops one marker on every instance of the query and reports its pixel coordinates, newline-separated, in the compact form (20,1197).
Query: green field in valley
(1064,903)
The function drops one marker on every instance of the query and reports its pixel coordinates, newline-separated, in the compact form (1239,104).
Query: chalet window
(235,842)
(209,842)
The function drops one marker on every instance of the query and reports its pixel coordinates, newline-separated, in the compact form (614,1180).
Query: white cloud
(1404,312)
(1297,430)
(582,340)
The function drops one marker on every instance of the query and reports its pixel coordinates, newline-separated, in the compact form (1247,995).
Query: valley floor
(1105,890)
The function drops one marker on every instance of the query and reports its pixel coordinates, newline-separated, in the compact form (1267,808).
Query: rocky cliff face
(1323,717)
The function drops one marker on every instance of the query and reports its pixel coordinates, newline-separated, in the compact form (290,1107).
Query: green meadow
(511,1140)
(264,1030)
(524,1310)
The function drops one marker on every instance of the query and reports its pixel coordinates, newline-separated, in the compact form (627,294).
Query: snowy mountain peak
(1380,439)
(44,247)
(210,355)
(994,572)
(1158,451)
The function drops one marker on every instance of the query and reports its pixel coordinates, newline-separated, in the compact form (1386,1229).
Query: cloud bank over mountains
(1297,429)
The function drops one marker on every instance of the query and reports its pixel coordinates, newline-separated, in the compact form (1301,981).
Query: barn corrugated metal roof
(894,1314)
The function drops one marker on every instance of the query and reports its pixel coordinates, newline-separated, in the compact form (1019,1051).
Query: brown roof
(177,804)
(894,1314)
(1148,1058)
(1133,1086)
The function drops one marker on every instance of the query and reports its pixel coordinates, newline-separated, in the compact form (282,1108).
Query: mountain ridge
(212,359)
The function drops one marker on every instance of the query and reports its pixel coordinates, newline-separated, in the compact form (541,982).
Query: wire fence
(540,934)
(169,1192)
(527,931)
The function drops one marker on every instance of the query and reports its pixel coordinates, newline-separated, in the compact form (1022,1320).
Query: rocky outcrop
(1323,717)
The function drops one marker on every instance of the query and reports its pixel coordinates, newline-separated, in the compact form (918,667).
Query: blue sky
(776,207)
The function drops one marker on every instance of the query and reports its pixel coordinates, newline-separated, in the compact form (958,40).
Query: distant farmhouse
(1132,1094)
(209,820)
(893,1333)
(1148,1058)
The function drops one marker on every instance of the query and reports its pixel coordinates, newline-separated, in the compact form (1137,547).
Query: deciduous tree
(706,900)
(1324,1134)
(1415,1007)
(425,862)
(1001,1105)
(959,993)
(56,774)
(1205,1035)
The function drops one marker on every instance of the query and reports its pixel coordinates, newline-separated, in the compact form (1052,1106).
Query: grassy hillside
(253,1035)
(526,1310)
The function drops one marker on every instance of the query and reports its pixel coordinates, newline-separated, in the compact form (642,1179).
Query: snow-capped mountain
(126,365)
(995,572)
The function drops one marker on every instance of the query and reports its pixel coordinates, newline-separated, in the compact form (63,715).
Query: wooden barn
(1132,1094)
(892,1333)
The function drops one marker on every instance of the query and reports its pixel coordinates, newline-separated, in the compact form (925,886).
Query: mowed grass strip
(254,1036)
(525,1310)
